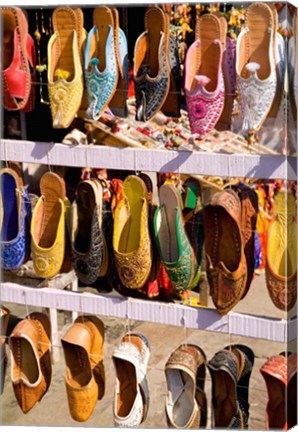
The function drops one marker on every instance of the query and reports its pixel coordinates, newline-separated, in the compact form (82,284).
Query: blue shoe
(15,220)
(101,71)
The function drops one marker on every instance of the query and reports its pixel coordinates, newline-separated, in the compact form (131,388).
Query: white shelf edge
(154,160)
(278,330)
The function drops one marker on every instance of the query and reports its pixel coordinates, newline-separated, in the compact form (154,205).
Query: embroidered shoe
(255,66)
(85,376)
(48,226)
(130,359)
(174,247)
(131,237)
(186,402)
(65,73)
(151,64)
(204,81)
(30,354)
(15,216)
(281,252)
(224,249)
(100,63)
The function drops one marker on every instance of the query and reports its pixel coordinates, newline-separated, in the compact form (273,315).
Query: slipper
(100,62)
(204,81)
(16,62)
(174,247)
(131,237)
(256,65)
(65,74)
(151,64)
(48,226)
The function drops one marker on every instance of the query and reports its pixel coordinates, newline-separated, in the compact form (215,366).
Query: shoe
(130,359)
(101,69)
(15,217)
(30,354)
(204,80)
(131,237)
(224,249)
(85,376)
(256,65)
(87,240)
(48,227)
(224,372)
(118,103)
(18,72)
(65,73)
(151,64)
(249,212)
(280,375)
(281,252)
(174,247)
(293,67)
(246,359)
(186,403)
(4,318)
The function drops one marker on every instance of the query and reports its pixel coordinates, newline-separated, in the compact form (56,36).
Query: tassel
(202,80)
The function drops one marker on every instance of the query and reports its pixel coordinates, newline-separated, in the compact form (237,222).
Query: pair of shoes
(260,65)
(174,247)
(131,237)
(226,265)
(186,403)
(15,218)
(91,232)
(65,72)
(49,227)
(4,318)
(18,73)
(230,370)
(130,359)
(30,353)
(204,75)
(106,64)
(280,375)
(157,75)
(281,251)
(85,376)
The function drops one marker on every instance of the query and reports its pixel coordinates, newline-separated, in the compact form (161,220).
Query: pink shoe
(204,81)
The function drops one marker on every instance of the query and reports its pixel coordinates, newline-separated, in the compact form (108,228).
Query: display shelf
(154,160)
(278,330)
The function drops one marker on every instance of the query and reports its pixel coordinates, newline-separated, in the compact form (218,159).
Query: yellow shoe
(48,227)
(131,238)
(65,73)
(281,259)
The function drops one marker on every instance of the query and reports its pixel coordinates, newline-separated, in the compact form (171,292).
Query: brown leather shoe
(31,368)
(186,404)
(225,260)
(4,317)
(84,376)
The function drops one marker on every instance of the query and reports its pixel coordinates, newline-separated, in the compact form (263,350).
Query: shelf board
(153,160)
(278,330)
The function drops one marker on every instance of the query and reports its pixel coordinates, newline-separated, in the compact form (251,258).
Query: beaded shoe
(204,81)
(130,359)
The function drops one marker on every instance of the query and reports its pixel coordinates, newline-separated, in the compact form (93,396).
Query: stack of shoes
(281,251)
(280,375)
(31,368)
(85,376)
(4,318)
(105,64)
(15,218)
(230,371)
(157,75)
(49,225)
(65,72)
(259,81)
(18,67)
(130,359)
(186,403)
